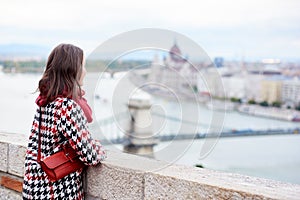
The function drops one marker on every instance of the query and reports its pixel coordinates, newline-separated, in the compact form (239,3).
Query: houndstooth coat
(62,121)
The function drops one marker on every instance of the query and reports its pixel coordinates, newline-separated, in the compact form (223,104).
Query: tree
(199,165)
(233,99)
(251,101)
(297,107)
(276,104)
(264,103)
(195,88)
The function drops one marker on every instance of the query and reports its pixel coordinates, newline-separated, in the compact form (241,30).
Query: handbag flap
(61,157)
(55,160)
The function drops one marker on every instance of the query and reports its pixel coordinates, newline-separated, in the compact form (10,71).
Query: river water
(274,157)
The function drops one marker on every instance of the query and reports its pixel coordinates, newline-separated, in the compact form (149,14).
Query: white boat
(220,105)
(270,112)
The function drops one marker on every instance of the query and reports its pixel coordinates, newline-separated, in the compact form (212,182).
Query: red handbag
(61,163)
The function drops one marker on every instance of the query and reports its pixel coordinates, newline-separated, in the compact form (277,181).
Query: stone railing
(126,176)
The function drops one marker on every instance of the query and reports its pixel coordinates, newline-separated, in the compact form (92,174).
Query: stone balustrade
(127,176)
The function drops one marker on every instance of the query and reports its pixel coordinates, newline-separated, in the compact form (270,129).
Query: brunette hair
(62,73)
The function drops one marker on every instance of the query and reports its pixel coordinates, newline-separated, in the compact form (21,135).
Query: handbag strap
(39,137)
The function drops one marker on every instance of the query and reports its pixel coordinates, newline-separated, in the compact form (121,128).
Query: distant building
(253,86)
(219,61)
(290,95)
(271,90)
(222,82)
(234,86)
(265,69)
(210,83)
(174,71)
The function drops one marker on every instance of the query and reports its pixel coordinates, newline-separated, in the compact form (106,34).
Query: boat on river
(270,112)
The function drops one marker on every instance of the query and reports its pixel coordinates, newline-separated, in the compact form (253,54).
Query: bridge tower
(140,138)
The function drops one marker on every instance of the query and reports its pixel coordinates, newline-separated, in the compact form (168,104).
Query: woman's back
(64,114)
(63,121)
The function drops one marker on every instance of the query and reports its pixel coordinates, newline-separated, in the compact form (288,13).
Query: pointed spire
(175,53)
(175,41)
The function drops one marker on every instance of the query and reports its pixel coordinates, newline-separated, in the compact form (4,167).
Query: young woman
(65,114)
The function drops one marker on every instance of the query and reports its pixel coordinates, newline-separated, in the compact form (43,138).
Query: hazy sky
(229,28)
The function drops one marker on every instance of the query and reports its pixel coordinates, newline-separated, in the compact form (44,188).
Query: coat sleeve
(72,123)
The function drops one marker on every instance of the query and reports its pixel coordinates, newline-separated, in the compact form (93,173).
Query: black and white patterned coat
(62,121)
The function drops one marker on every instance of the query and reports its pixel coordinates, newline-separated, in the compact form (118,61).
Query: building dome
(175,50)
(175,53)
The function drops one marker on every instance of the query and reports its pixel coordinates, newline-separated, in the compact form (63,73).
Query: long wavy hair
(62,73)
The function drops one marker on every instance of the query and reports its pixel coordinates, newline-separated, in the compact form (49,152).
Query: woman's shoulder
(63,107)
(63,103)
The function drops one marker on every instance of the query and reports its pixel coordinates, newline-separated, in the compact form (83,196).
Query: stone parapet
(126,176)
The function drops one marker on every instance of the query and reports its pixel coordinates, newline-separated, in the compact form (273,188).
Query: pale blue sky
(229,28)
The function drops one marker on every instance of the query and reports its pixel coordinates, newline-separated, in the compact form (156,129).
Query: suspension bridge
(117,129)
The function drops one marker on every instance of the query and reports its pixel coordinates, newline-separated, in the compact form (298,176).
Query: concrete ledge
(16,155)
(160,180)
(107,182)
(6,194)
(4,157)
(126,176)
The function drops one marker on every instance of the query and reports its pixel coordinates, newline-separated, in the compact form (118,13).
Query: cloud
(94,14)
(215,24)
